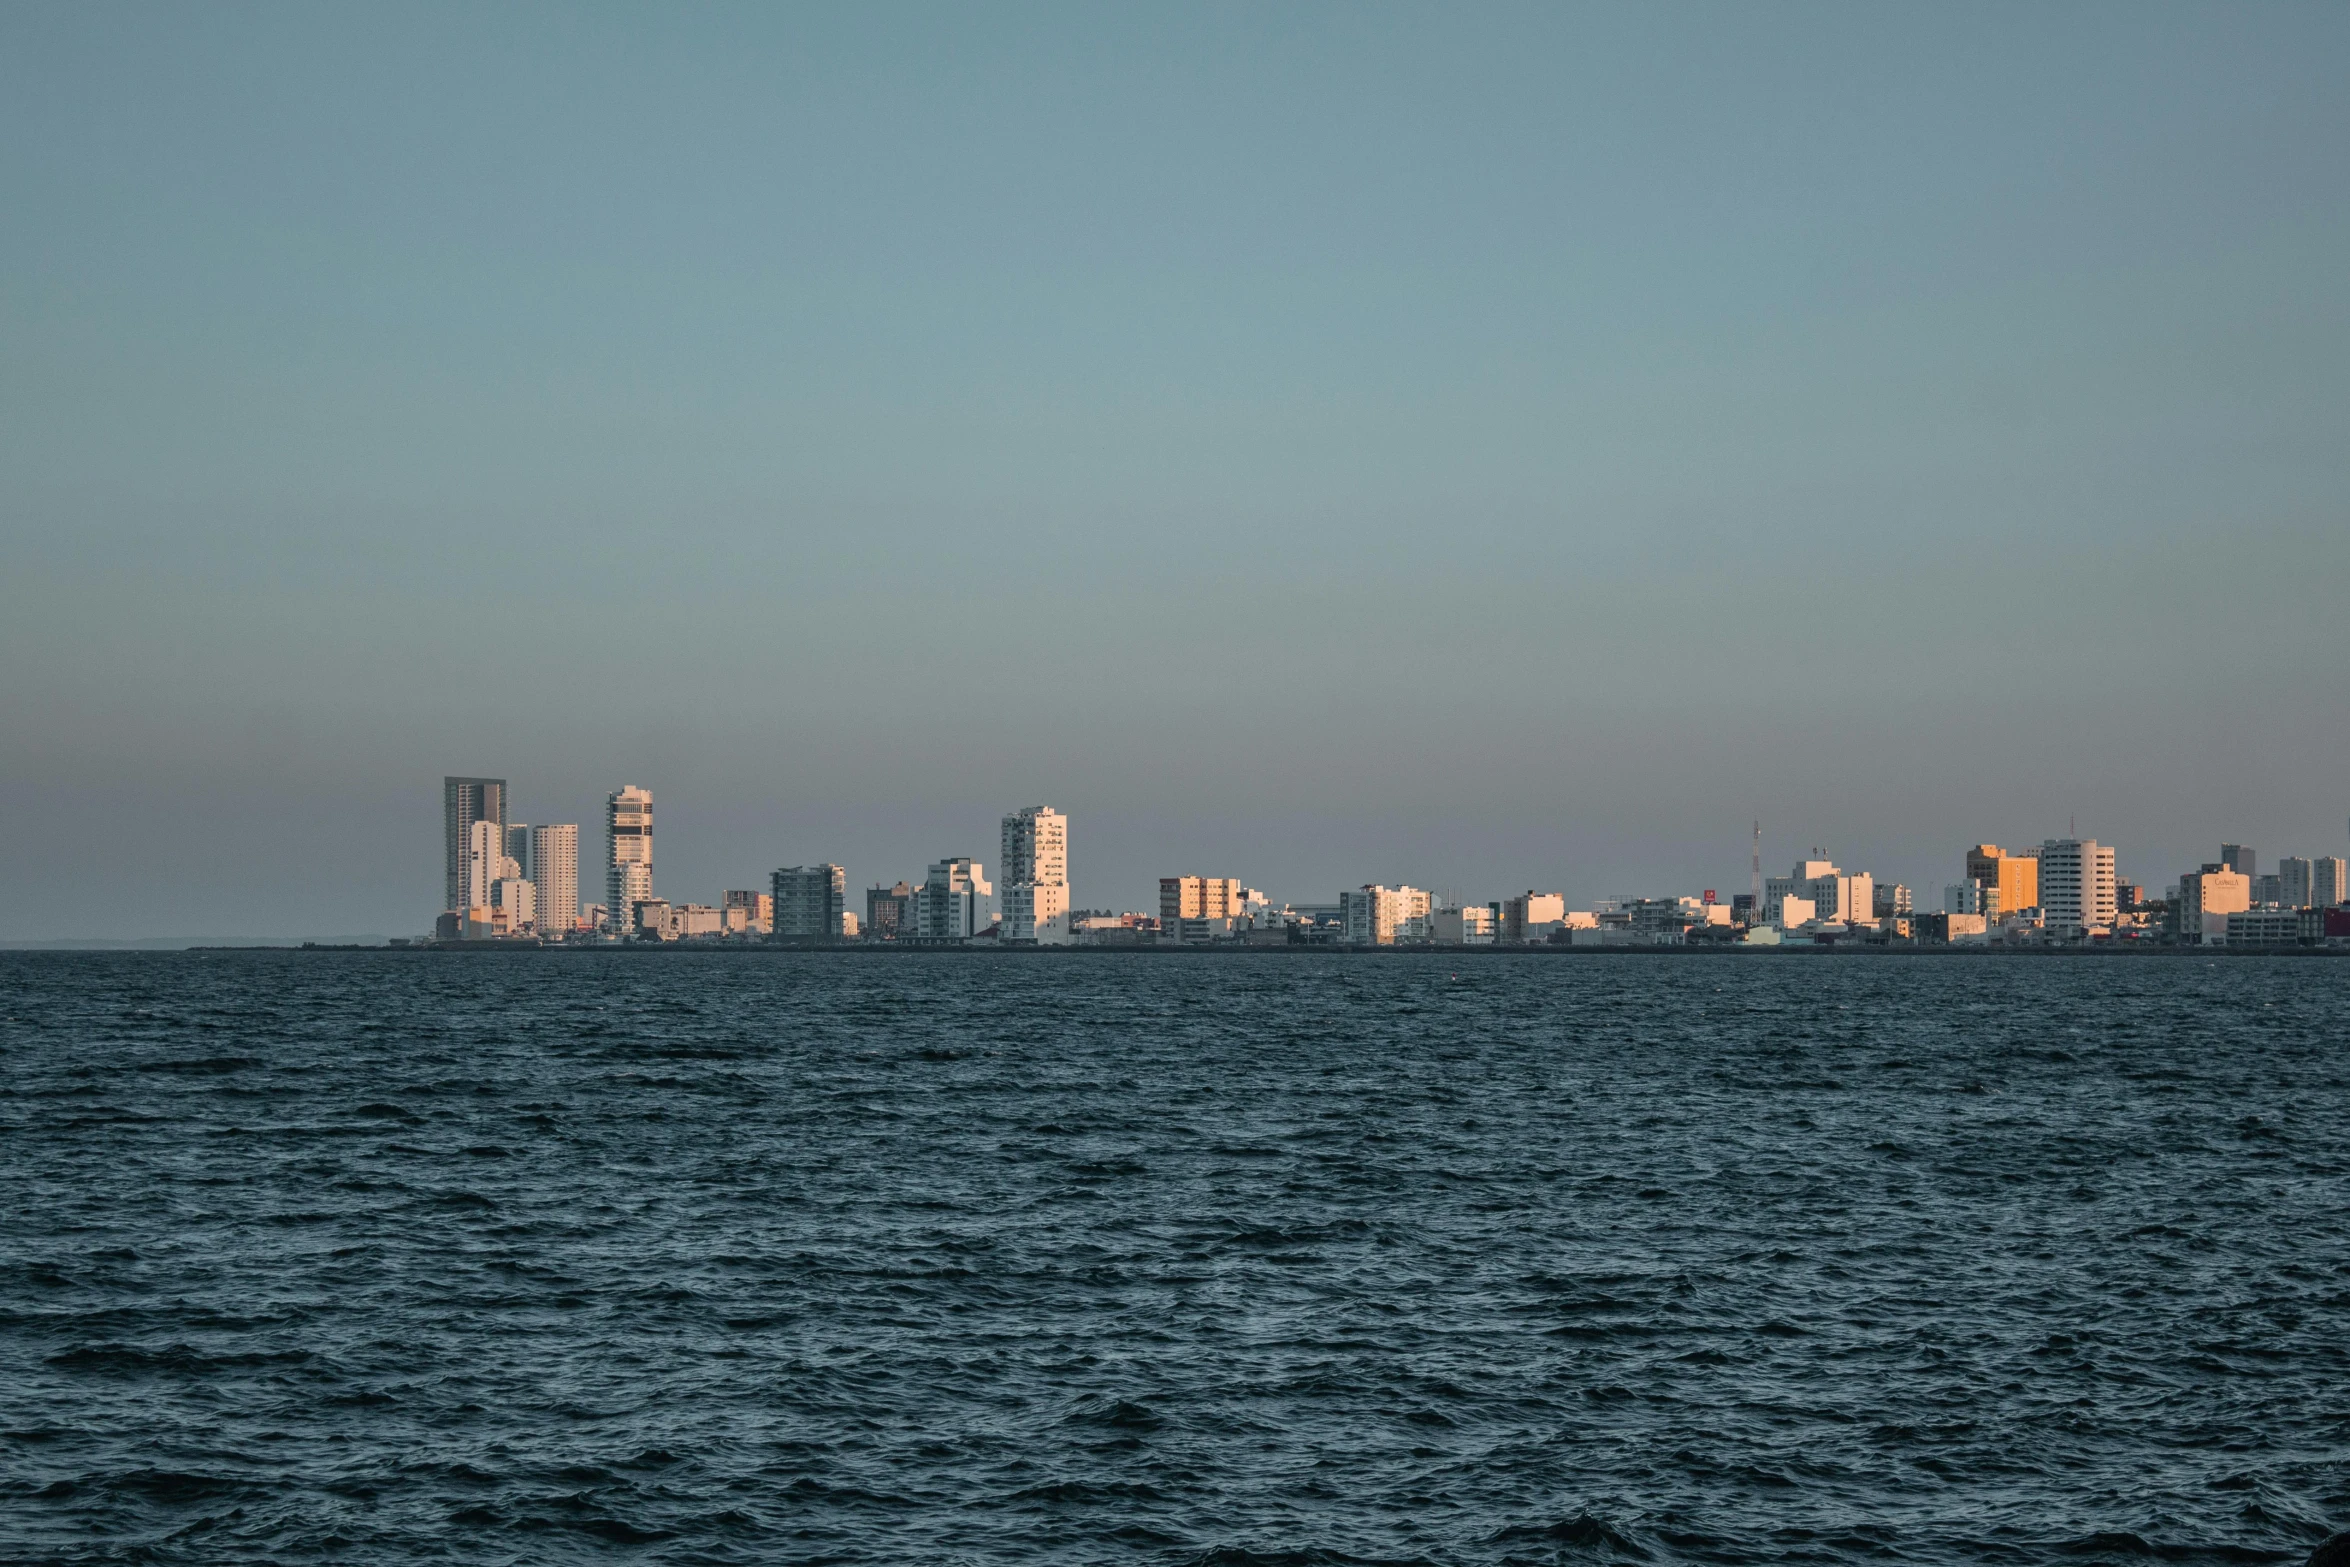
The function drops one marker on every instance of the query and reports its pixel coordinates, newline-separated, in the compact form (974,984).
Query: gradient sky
(1476,447)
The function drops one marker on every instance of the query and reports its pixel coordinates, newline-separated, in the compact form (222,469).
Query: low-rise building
(750,912)
(2263,927)
(1470,925)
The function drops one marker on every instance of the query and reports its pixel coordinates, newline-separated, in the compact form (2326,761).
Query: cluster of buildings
(510,881)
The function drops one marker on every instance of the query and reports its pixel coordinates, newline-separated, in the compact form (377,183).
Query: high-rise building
(2016,877)
(518,850)
(554,867)
(2293,882)
(809,902)
(2076,885)
(1377,916)
(628,863)
(2240,858)
(465,801)
(2329,883)
(952,903)
(485,864)
(1036,877)
(2206,899)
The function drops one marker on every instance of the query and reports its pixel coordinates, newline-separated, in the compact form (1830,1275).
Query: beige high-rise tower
(1036,877)
(628,862)
(554,866)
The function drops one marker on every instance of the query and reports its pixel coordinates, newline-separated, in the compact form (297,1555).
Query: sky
(1483,448)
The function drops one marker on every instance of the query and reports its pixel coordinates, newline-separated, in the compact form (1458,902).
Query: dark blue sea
(1217,1258)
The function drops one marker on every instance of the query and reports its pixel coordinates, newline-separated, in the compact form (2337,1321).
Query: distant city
(510,882)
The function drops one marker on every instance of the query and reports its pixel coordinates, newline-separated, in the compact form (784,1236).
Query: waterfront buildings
(952,904)
(1825,892)
(2076,886)
(811,903)
(2206,898)
(1531,916)
(1036,877)
(888,912)
(2329,883)
(1201,908)
(465,801)
(1470,925)
(628,864)
(749,912)
(554,868)
(2015,877)
(1376,916)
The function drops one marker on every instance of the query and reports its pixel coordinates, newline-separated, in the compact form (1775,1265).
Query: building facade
(628,858)
(465,801)
(2015,877)
(1376,916)
(554,867)
(1036,877)
(1200,898)
(888,912)
(2329,883)
(952,904)
(2206,899)
(809,903)
(2076,886)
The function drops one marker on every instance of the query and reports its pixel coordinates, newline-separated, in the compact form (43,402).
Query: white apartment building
(1971,897)
(1833,896)
(628,864)
(2329,883)
(1379,916)
(2076,886)
(554,870)
(486,864)
(952,902)
(1036,877)
(1471,925)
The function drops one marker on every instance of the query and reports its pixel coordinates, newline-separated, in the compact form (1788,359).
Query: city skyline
(1339,441)
(2063,890)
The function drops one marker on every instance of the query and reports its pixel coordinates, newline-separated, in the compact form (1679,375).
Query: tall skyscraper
(465,801)
(2240,858)
(2076,885)
(1036,876)
(628,864)
(554,868)
(2329,882)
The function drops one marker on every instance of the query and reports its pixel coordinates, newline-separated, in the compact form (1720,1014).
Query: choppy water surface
(1085,1258)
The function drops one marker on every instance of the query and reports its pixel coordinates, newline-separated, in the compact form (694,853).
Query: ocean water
(1078,1258)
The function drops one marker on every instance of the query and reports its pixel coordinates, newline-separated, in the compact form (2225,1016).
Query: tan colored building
(2016,877)
(2207,898)
(1199,898)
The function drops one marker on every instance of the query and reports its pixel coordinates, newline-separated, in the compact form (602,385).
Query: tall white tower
(628,865)
(1036,876)
(554,865)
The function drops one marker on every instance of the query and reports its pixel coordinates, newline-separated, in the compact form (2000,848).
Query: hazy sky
(1472,446)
